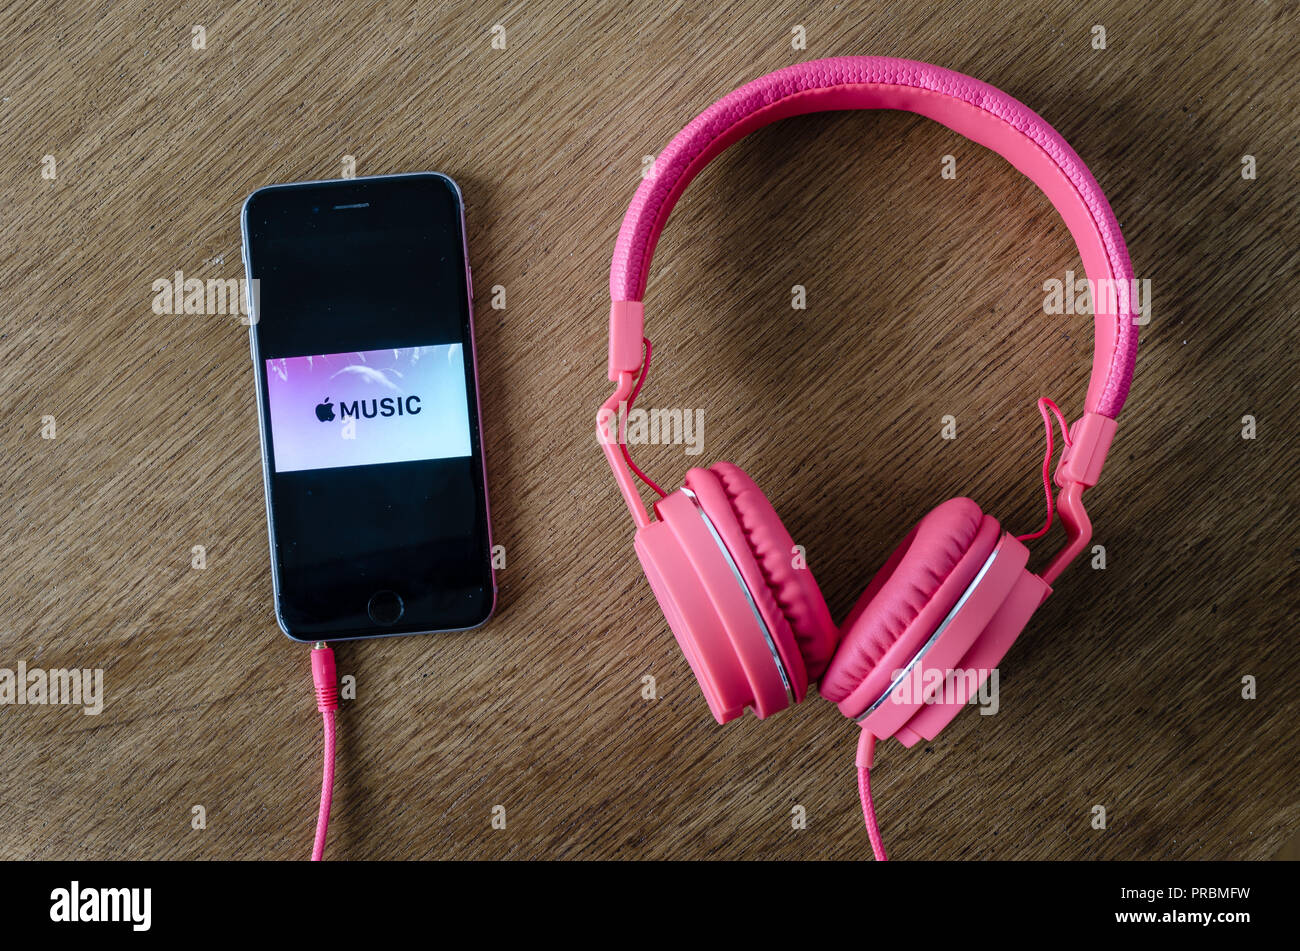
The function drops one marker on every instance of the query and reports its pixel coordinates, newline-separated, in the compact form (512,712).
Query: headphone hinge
(626,328)
(1078,529)
(610,434)
(1082,459)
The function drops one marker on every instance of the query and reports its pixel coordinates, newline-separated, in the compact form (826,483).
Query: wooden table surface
(924,300)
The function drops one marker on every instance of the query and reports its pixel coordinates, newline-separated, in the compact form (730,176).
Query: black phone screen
(363,353)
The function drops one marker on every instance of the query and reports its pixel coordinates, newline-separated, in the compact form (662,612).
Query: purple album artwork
(368,407)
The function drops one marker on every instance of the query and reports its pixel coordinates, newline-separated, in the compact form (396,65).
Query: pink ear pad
(794,588)
(715,617)
(907,600)
(716,501)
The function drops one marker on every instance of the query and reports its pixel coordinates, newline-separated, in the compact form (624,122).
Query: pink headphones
(956,593)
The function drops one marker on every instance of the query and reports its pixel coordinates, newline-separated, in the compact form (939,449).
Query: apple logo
(325,411)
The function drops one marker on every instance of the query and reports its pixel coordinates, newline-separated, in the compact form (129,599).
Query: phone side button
(385,607)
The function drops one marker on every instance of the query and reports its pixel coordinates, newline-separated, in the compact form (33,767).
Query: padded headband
(969,107)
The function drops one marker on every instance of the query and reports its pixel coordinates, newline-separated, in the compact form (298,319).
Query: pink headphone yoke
(972,108)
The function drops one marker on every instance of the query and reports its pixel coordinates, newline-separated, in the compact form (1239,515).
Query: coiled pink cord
(325,678)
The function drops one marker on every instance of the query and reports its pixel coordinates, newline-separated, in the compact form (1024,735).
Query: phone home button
(385,607)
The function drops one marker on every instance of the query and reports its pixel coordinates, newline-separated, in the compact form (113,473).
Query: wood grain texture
(924,300)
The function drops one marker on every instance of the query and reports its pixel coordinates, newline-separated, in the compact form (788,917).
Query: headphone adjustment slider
(626,328)
(1084,455)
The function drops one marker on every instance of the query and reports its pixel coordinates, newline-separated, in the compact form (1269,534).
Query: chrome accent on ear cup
(943,626)
(753,605)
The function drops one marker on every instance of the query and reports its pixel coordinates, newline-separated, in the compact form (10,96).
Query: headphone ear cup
(944,609)
(789,579)
(907,600)
(722,567)
(728,637)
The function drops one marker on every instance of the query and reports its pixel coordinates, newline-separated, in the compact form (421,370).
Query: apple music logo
(369,409)
(397,405)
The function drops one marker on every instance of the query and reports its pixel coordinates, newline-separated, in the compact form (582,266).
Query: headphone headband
(969,107)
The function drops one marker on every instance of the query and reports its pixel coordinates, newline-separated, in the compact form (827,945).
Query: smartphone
(362,337)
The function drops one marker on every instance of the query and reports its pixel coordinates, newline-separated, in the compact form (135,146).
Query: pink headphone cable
(866,752)
(1043,405)
(869,815)
(325,678)
(645,368)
